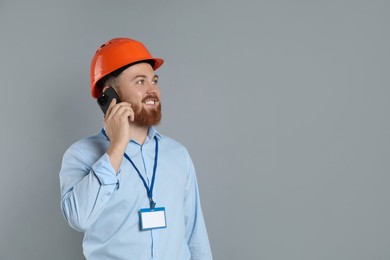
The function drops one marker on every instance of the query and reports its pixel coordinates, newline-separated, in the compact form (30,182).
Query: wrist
(117,148)
(115,153)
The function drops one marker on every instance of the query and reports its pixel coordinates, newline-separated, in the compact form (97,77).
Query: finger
(120,106)
(129,113)
(116,107)
(126,111)
(110,107)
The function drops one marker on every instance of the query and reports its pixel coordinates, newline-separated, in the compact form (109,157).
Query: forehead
(142,69)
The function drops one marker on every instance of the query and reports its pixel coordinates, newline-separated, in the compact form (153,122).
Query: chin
(148,117)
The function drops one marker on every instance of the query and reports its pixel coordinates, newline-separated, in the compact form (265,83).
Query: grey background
(283,106)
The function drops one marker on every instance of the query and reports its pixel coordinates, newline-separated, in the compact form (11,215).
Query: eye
(141,82)
(155,81)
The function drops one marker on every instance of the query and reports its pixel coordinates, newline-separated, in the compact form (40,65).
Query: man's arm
(87,185)
(85,189)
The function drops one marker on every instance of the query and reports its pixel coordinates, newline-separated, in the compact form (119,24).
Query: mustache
(151,96)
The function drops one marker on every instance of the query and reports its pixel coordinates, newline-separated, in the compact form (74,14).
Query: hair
(102,82)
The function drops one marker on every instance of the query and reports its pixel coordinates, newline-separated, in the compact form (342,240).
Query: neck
(138,133)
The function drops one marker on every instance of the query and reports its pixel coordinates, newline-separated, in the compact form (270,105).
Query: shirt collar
(152,132)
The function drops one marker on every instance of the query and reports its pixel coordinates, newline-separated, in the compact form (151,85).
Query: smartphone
(106,97)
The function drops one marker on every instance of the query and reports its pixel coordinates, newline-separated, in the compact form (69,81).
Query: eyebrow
(144,76)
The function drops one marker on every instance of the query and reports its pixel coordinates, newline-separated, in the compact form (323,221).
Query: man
(132,191)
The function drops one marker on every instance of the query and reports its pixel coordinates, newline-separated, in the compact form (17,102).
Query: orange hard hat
(114,54)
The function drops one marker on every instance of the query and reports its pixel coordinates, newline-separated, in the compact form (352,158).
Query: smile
(151,102)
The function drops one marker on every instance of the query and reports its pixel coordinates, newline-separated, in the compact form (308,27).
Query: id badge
(152,219)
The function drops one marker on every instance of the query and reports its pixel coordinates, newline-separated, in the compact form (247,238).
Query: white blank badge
(152,219)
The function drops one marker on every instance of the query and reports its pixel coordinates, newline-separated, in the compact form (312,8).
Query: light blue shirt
(105,206)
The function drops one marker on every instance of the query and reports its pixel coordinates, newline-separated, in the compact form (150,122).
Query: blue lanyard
(149,191)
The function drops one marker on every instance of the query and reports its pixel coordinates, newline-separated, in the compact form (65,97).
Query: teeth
(150,102)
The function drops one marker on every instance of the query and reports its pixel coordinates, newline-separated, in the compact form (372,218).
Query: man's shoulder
(167,140)
(172,145)
(91,144)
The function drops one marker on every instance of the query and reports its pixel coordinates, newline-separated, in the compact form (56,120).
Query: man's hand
(117,125)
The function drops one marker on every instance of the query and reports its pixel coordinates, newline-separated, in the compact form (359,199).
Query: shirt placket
(148,163)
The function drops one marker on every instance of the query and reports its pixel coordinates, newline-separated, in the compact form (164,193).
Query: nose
(152,88)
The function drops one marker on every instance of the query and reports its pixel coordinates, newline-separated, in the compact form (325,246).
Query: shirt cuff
(105,172)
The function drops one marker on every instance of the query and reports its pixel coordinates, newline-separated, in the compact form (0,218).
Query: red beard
(146,117)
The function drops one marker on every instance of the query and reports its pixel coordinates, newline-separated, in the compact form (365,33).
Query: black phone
(106,97)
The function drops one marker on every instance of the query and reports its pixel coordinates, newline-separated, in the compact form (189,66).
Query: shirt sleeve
(85,187)
(195,230)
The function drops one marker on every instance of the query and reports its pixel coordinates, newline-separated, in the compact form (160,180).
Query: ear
(105,88)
